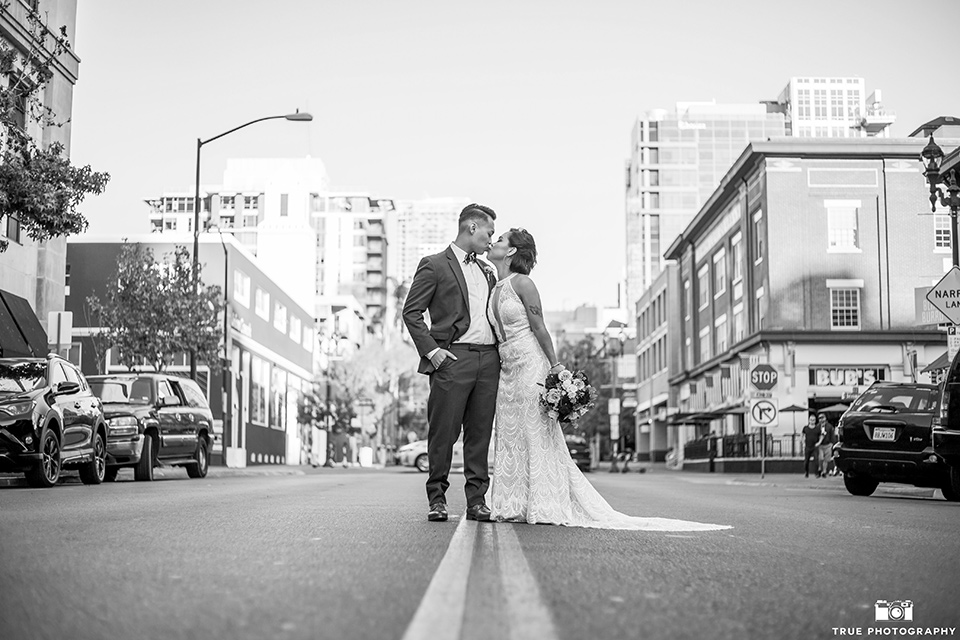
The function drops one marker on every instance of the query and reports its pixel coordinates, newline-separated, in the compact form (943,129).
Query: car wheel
(47,473)
(92,472)
(951,488)
(421,463)
(199,468)
(110,474)
(143,472)
(860,485)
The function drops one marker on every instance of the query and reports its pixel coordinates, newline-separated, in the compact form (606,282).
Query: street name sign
(764,412)
(763,377)
(945,295)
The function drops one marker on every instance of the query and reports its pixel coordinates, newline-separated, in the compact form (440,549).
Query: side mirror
(67,387)
(169,401)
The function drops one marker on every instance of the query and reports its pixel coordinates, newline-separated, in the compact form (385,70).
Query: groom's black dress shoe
(437,513)
(479,512)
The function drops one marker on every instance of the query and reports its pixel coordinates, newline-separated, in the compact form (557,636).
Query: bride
(534,478)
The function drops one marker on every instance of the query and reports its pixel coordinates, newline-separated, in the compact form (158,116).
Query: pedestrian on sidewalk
(828,437)
(811,436)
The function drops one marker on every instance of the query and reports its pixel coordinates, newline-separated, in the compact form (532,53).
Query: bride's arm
(530,297)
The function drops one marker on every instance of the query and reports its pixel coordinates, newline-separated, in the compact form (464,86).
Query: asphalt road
(343,553)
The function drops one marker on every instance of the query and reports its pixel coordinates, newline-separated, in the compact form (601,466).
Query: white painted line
(528,616)
(440,614)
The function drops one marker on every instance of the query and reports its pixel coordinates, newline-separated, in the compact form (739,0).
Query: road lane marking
(440,614)
(527,615)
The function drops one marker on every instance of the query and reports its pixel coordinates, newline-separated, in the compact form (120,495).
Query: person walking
(811,437)
(828,437)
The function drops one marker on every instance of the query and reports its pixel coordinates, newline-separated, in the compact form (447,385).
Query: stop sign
(763,377)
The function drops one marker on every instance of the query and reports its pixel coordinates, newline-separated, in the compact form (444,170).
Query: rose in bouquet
(567,395)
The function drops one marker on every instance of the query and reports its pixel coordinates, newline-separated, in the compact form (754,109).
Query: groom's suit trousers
(463,392)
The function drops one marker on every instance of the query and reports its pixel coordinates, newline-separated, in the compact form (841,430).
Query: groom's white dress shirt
(479,331)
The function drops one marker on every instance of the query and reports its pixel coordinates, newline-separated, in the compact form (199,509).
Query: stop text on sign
(764,377)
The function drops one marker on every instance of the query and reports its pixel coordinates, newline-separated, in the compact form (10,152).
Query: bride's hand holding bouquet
(567,395)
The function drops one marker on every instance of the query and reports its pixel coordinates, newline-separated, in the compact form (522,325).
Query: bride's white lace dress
(534,478)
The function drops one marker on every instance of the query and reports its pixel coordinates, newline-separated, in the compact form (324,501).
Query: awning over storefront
(704,416)
(940,363)
(21,334)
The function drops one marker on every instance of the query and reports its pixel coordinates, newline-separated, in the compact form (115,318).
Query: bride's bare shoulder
(522,282)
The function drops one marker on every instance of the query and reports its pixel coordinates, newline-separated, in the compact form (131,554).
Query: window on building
(845,308)
(703,286)
(295,328)
(687,300)
(654,199)
(761,309)
(736,257)
(820,104)
(803,104)
(836,104)
(688,351)
(278,398)
(842,225)
(10,227)
(941,231)
(241,288)
(283,204)
(654,178)
(758,237)
(259,383)
(280,317)
(250,202)
(722,337)
(654,135)
(307,341)
(228,202)
(262,303)
(704,344)
(738,328)
(719,273)
(653,155)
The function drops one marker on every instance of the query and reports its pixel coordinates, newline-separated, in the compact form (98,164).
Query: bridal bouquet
(566,395)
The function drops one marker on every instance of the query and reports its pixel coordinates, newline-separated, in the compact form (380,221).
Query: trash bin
(366,456)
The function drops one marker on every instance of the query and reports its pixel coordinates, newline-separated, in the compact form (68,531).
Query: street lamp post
(932,156)
(295,117)
(227,395)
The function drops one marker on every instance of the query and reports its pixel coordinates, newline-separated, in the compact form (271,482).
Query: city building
(32,274)
(423,227)
(833,108)
(807,257)
(676,161)
(270,338)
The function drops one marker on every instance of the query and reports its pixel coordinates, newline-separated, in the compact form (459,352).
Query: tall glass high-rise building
(677,159)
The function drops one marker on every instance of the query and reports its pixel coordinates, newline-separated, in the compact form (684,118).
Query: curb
(71,477)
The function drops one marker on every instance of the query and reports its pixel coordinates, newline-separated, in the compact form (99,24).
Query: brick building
(806,257)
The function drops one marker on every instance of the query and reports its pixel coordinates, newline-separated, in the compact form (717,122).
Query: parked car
(579,450)
(946,427)
(886,436)
(154,419)
(49,421)
(415,455)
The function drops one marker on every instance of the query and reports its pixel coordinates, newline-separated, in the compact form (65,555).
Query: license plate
(884,434)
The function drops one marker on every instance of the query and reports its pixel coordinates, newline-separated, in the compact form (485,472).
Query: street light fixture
(932,156)
(296,116)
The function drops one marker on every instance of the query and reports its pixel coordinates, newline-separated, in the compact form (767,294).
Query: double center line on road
(517,605)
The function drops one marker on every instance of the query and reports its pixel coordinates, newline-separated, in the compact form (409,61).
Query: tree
(152,311)
(586,356)
(39,187)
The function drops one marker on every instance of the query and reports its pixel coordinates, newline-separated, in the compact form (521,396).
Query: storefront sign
(926,313)
(844,376)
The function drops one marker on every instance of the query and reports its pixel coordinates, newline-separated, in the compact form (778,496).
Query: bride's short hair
(525,258)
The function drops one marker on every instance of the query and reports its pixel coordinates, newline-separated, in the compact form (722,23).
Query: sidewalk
(791,480)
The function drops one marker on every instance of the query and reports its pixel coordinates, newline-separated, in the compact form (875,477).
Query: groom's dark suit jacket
(440,288)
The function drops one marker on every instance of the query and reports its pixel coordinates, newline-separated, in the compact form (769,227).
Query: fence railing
(745,445)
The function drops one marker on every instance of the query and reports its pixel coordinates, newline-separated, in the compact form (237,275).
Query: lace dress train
(534,479)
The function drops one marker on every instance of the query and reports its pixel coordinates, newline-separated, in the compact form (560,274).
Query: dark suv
(886,436)
(49,420)
(946,426)
(154,419)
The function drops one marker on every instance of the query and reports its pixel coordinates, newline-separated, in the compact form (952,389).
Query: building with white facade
(423,227)
(819,107)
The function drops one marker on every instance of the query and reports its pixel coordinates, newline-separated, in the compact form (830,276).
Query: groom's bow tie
(470,257)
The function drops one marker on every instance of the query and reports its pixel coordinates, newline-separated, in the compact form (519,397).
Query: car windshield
(25,376)
(122,391)
(897,400)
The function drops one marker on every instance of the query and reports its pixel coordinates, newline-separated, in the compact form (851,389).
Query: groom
(459,353)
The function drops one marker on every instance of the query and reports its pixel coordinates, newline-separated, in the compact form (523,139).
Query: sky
(525,105)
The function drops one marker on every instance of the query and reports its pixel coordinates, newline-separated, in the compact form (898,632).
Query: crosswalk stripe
(440,614)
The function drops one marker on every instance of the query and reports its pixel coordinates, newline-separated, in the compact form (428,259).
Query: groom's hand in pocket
(438,358)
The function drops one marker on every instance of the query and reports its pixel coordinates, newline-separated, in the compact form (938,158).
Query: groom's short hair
(476,213)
